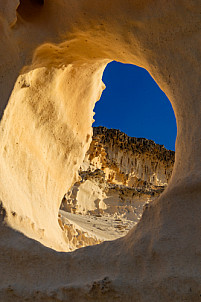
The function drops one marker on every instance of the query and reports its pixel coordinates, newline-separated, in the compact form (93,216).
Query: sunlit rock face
(110,195)
(53,54)
(127,160)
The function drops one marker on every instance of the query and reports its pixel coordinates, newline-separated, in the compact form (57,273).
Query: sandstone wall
(53,54)
(118,176)
(129,160)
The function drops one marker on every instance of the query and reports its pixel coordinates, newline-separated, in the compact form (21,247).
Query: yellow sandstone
(52,57)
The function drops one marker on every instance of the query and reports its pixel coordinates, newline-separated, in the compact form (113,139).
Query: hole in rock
(29,9)
(124,169)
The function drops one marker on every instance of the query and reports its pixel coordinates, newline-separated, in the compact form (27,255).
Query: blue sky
(133,103)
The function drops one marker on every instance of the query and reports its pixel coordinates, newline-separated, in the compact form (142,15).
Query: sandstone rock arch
(45,132)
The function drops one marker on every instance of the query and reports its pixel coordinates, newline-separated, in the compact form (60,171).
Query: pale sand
(104,227)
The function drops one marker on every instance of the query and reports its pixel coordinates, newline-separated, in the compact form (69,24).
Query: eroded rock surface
(52,57)
(118,176)
(129,161)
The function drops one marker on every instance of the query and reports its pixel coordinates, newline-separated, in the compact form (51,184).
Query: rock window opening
(119,176)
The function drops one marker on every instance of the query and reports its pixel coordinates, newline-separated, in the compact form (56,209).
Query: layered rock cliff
(118,176)
(128,160)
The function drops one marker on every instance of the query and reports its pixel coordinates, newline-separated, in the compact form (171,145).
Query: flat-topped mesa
(129,160)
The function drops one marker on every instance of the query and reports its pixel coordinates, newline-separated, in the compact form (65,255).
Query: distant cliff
(128,160)
(119,175)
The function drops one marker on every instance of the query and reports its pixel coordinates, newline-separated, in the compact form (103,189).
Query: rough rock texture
(76,235)
(53,54)
(127,160)
(110,194)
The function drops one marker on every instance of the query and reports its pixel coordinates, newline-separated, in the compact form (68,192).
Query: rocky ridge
(119,175)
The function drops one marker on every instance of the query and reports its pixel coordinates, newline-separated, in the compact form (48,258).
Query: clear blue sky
(133,103)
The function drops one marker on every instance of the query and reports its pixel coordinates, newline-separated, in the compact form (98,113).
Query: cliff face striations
(118,176)
(129,161)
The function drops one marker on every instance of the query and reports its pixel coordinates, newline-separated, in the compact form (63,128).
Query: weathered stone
(52,59)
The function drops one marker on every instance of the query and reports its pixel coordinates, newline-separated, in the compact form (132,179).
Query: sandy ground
(103,227)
